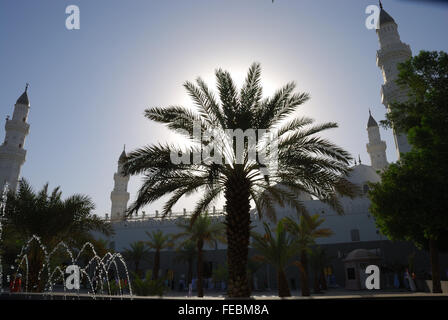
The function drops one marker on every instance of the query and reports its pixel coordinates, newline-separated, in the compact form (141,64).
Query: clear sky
(89,87)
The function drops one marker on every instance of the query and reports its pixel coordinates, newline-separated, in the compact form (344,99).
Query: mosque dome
(361,254)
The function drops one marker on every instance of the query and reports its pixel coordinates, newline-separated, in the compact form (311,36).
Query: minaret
(376,147)
(120,195)
(392,51)
(12,153)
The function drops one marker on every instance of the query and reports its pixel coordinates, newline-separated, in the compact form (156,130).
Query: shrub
(147,286)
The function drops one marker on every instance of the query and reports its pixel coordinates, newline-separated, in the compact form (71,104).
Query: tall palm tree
(187,253)
(52,219)
(158,241)
(277,250)
(218,164)
(306,231)
(202,231)
(136,253)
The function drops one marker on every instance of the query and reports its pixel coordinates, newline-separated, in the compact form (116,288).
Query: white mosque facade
(354,230)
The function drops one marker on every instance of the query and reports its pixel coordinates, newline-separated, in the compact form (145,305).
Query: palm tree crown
(203,229)
(158,240)
(136,253)
(307,230)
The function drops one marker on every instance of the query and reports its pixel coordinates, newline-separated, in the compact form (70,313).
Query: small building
(355,268)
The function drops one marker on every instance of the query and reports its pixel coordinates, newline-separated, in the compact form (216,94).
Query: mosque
(355,237)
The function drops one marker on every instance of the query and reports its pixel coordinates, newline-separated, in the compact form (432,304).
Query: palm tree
(158,241)
(218,161)
(306,231)
(136,253)
(187,253)
(202,231)
(52,219)
(277,250)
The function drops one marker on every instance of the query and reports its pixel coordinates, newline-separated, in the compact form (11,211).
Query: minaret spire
(381,5)
(376,148)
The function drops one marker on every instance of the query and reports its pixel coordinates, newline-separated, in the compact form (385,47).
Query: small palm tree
(202,231)
(306,231)
(276,249)
(187,253)
(158,241)
(136,253)
(302,162)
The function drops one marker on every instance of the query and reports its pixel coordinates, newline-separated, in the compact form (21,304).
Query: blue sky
(89,87)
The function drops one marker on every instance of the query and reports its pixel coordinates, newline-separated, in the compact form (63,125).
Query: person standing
(16,283)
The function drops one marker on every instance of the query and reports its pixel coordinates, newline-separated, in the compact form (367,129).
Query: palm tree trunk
(283,288)
(155,270)
(200,265)
(304,274)
(435,268)
(190,272)
(238,234)
(323,280)
(137,272)
(250,279)
(316,277)
(35,265)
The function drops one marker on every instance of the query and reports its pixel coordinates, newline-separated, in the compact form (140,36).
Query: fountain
(97,273)
(2,214)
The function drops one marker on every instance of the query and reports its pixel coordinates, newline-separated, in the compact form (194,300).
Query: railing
(139,217)
(351,208)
